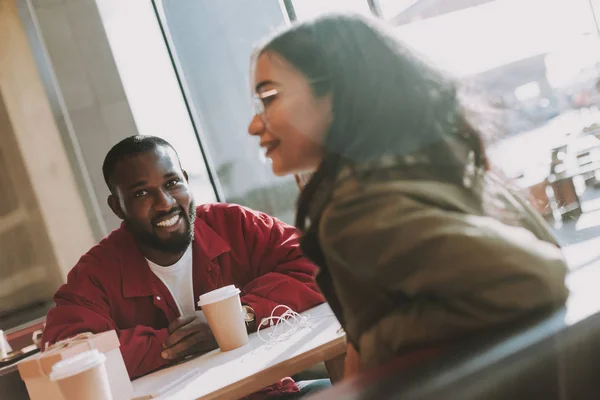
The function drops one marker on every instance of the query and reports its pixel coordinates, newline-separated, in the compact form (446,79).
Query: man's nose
(163,201)
(257,126)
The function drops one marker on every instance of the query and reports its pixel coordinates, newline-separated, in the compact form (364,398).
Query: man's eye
(172,182)
(140,193)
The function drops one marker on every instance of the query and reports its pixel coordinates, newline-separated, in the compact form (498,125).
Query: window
(539,62)
(211,43)
(391,8)
(153,92)
(305,9)
(536,61)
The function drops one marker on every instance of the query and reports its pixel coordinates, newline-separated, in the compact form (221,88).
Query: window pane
(473,40)
(311,8)
(595,4)
(538,61)
(212,42)
(153,92)
(403,11)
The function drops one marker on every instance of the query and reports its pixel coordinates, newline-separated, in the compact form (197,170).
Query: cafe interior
(78,76)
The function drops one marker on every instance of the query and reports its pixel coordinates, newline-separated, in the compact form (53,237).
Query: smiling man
(142,280)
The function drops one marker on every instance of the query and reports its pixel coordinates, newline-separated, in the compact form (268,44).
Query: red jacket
(112,287)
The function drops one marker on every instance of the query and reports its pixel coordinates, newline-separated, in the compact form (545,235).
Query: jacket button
(157,297)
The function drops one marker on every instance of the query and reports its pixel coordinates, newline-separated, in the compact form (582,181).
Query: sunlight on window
(311,8)
(391,8)
(481,38)
(151,86)
(527,91)
(579,61)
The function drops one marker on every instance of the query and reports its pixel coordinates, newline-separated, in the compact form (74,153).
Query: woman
(417,242)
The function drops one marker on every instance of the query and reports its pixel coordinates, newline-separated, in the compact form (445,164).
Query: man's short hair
(128,147)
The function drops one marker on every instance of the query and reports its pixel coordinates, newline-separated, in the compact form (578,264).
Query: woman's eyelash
(269,99)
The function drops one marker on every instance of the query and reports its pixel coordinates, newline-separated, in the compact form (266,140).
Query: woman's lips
(270,146)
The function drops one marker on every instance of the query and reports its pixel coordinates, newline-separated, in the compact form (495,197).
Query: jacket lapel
(139,281)
(206,247)
(137,278)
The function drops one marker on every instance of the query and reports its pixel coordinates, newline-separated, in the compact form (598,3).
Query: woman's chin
(279,168)
(282,167)
(279,171)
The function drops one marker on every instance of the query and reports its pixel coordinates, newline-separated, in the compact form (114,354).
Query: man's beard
(176,243)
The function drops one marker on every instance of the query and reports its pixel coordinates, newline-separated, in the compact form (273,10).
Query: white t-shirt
(178,279)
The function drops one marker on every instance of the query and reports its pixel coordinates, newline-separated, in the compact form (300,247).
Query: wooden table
(236,373)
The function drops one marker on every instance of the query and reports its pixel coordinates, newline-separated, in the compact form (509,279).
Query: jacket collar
(136,275)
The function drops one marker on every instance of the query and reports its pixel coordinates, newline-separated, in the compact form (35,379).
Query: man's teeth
(168,222)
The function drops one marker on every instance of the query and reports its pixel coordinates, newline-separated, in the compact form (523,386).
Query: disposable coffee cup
(82,376)
(223,310)
(4,346)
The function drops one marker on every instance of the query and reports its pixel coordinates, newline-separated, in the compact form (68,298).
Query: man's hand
(188,335)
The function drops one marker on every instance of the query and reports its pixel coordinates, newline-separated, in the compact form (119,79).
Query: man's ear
(115,206)
(185,175)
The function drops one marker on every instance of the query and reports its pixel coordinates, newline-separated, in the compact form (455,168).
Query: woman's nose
(257,126)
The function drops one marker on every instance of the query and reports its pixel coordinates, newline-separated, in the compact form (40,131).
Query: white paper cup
(223,310)
(4,346)
(82,376)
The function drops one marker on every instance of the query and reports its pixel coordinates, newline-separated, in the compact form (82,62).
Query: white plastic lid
(76,364)
(217,295)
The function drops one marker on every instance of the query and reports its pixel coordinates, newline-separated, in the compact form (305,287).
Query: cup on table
(82,376)
(223,310)
(4,346)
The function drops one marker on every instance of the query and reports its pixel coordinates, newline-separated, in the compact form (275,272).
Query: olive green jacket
(413,262)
